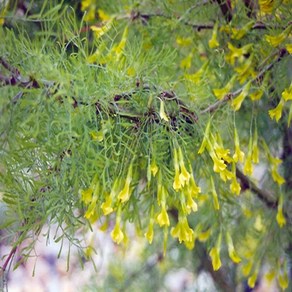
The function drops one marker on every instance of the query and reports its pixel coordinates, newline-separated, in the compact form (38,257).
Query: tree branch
(211,108)
(264,195)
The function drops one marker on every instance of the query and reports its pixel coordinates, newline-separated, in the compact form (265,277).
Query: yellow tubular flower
(103,16)
(221,92)
(231,251)
(256,95)
(255,150)
(235,186)
(238,154)
(182,231)
(183,42)
(266,6)
(215,254)
(153,168)
(213,42)
(252,279)
(162,113)
(86,195)
(100,31)
(184,174)
(125,193)
(277,177)
(283,280)
(236,103)
(107,206)
(186,62)
(276,40)
(219,164)
(205,139)
(117,234)
(287,93)
(179,181)
(237,34)
(248,168)
(276,113)
(215,196)
(245,71)
(162,217)
(280,216)
(237,53)
(150,233)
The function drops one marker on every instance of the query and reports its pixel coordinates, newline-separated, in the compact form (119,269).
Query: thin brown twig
(264,195)
(8,259)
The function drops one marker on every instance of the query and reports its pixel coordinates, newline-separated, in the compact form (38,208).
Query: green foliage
(113,111)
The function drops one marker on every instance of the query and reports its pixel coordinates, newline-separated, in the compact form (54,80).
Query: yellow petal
(215,257)
(117,234)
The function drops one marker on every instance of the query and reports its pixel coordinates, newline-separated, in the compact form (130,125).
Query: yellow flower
(215,257)
(222,153)
(153,168)
(276,113)
(255,149)
(238,154)
(183,42)
(226,175)
(177,182)
(86,3)
(276,40)
(221,92)
(252,279)
(196,77)
(219,164)
(246,268)
(215,196)
(245,71)
(256,95)
(162,217)
(103,16)
(205,139)
(204,236)
(184,175)
(86,195)
(277,177)
(149,234)
(99,31)
(280,216)
(96,136)
(117,234)
(289,48)
(91,212)
(270,276)
(191,205)
(120,47)
(248,168)
(162,113)
(266,6)
(237,34)
(235,187)
(186,62)
(231,251)
(125,193)
(182,231)
(283,280)
(193,188)
(213,42)
(287,93)
(237,53)
(236,103)
(107,206)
